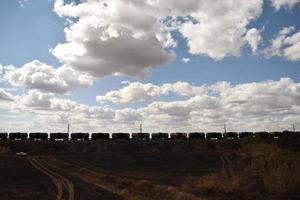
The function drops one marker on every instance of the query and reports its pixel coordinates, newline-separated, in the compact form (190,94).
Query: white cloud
(139,92)
(254,38)
(267,105)
(5,96)
(131,37)
(219,29)
(292,51)
(286,44)
(186,60)
(118,37)
(37,75)
(284,3)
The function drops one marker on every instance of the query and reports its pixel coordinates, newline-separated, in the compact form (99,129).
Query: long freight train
(143,136)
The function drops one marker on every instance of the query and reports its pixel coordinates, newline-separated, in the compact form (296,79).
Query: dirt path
(125,187)
(59,181)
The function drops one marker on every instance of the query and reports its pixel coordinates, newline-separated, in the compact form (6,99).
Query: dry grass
(270,173)
(4,151)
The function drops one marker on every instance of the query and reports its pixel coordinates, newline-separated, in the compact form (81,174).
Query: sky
(110,65)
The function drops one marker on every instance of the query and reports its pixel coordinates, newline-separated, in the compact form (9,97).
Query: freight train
(143,136)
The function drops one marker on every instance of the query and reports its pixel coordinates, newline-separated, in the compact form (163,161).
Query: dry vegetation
(4,151)
(251,168)
(270,173)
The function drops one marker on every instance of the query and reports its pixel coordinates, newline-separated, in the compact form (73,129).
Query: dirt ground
(145,170)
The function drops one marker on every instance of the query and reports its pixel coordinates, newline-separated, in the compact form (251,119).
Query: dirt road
(126,187)
(62,183)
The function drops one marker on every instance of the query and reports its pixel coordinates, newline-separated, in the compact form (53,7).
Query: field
(251,168)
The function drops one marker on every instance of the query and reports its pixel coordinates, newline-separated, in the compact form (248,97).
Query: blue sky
(29,29)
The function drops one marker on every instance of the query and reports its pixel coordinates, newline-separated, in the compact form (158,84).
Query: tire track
(59,181)
(125,187)
(227,166)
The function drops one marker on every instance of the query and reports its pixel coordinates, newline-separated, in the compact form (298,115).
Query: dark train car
(79,136)
(100,136)
(38,136)
(293,134)
(276,134)
(178,136)
(18,136)
(262,134)
(59,136)
(159,136)
(196,135)
(213,135)
(3,136)
(231,135)
(245,134)
(140,136)
(122,136)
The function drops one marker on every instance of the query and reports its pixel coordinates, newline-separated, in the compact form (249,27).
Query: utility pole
(294,128)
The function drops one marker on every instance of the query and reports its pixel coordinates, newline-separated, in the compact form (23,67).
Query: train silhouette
(142,136)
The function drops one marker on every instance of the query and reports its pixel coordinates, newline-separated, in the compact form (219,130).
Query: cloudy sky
(172,65)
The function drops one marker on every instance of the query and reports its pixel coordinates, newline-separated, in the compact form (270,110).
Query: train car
(122,136)
(159,136)
(79,136)
(231,135)
(59,136)
(3,136)
(38,136)
(294,134)
(18,136)
(276,134)
(262,134)
(100,136)
(213,135)
(178,136)
(197,135)
(140,136)
(245,134)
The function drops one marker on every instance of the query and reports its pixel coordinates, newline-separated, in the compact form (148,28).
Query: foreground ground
(252,168)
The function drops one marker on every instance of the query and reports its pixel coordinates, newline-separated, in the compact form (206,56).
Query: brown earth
(149,170)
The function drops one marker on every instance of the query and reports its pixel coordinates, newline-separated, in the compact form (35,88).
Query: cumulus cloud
(267,105)
(37,75)
(139,92)
(286,44)
(218,29)
(131,37)
(116,37)
(254,38)
(242,105)
(284,3)
(5,96)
